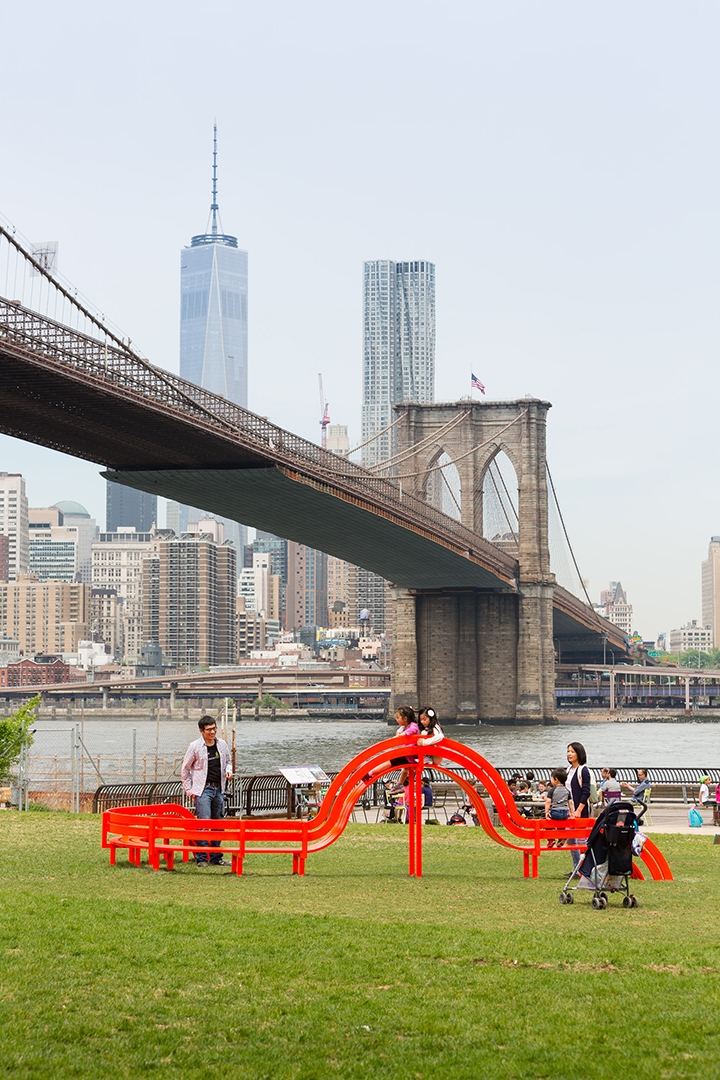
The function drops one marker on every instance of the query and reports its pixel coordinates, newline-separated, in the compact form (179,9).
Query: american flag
(476,384)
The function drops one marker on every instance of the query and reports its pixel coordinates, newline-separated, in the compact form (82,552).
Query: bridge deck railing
(128,373)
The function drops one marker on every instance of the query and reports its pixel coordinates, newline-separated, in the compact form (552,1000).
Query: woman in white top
(430,732)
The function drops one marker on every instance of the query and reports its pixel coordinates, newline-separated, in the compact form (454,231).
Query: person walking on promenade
(578,784)
(430,732)
(205,769)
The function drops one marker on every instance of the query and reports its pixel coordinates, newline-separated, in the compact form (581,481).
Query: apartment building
(117,564)
(14,523)
(188,600)
(49,617)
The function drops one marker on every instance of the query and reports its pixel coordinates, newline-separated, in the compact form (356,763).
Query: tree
(693,658)
(15,734)
(269,701)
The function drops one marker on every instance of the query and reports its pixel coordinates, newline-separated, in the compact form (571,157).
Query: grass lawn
(353,971)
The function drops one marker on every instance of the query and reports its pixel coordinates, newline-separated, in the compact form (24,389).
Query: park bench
(129,827)
(168,831)
(169,838)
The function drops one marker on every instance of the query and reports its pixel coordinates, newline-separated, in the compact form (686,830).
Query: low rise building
(9,650)
(52,669)
(692,636)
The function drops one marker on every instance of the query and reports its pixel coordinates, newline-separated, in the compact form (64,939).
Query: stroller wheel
(627,901)
(605,897)
(563,898)
(604,901)
(597,903)
(634,902)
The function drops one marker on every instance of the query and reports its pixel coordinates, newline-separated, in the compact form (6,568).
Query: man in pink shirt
(205,769)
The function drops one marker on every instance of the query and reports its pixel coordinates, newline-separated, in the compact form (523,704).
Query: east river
(264,746)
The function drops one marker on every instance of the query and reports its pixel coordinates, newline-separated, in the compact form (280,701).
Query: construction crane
(324,415)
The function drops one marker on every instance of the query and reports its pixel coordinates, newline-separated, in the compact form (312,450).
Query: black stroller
(607,864)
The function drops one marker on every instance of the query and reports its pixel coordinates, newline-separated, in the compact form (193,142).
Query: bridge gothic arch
(473,434)
(441,485)
(496,500)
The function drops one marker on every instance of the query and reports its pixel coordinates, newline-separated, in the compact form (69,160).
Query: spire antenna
(214,228)
(214,205)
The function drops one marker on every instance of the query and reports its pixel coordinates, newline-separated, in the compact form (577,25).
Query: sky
(557,162)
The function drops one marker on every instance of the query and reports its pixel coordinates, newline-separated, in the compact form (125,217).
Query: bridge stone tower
(479,655)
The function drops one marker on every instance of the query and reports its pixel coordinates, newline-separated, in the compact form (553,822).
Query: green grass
(353,971)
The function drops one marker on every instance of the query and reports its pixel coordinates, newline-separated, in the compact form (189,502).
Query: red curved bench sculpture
(168,833)
(129,827)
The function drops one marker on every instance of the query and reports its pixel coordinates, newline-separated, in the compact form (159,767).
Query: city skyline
(574,233)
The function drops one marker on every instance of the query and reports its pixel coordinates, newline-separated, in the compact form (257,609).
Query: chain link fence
(67,762)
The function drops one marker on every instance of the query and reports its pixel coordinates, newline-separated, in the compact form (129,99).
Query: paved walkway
(674,819)
(665,819)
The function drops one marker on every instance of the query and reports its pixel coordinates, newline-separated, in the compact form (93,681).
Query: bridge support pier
(476,656)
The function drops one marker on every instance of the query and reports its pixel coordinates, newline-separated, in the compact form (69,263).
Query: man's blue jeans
(211,804)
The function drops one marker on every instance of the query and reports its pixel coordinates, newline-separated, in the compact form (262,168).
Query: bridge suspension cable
(492,469)
(460,457)
(410,451)
(109,338)
(373,437)
(567,538)
(37,265)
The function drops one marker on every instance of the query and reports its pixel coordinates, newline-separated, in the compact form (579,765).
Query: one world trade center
(214,326)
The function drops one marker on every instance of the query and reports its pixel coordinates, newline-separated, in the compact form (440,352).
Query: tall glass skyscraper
(214,328)
(398,345)
(126,506)
(214,308)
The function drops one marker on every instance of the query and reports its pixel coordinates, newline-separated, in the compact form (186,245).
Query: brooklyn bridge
(477,626)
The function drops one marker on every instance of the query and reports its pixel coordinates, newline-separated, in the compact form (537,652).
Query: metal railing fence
(271,793)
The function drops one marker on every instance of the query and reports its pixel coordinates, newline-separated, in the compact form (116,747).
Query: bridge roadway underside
(297,508)
(269,499)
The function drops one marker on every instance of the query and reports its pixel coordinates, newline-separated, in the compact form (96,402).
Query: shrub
(16,733)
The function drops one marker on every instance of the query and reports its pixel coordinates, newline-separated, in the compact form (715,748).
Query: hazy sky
(558,162)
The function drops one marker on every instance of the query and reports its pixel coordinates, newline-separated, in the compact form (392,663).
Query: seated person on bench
(610,788)
(638,793)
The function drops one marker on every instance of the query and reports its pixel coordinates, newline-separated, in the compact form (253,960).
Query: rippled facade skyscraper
(398,346)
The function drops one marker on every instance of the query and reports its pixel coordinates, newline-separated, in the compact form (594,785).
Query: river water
(263,746)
